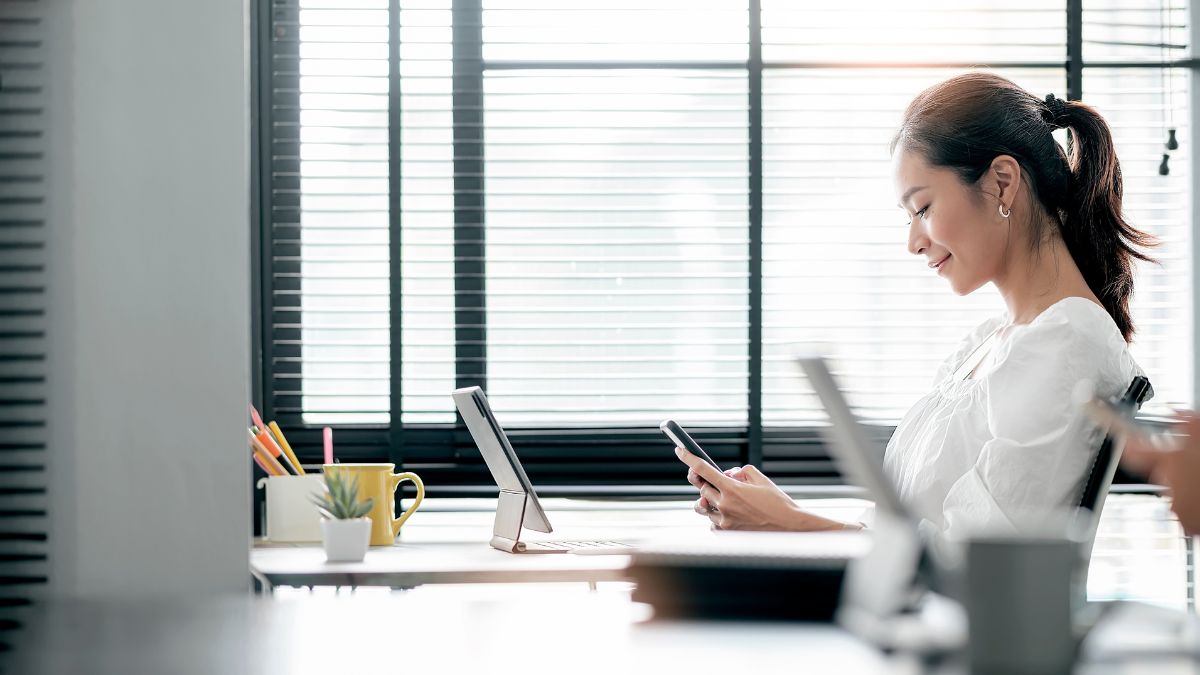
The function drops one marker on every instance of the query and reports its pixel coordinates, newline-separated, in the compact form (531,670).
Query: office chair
(1104,467)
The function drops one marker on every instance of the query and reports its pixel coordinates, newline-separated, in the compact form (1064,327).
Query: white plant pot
(346,540)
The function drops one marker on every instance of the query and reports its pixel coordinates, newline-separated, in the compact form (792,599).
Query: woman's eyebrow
(910,192)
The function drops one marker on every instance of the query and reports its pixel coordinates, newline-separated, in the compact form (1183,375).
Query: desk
(419,633)
(408,565)
(435,629)
(447,542)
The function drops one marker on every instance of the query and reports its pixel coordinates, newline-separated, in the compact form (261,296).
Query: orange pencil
(259,462)
(264,455)
(273,448)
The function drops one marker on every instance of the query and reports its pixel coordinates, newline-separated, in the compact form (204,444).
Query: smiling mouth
(938,265)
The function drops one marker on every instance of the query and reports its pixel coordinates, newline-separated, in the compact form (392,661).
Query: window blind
(611,213)
(616,245)
(427,200)
(1141,105)
(23,305)
(972,32)
(1133,100)
(342,244)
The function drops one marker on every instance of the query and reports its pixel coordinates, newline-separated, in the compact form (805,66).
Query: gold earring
(1003,213)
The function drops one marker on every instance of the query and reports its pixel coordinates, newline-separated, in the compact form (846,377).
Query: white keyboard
(594,547)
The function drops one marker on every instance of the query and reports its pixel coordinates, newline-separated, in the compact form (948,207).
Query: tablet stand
(510,519)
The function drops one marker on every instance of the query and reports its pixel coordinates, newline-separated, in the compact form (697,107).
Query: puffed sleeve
(1039,444)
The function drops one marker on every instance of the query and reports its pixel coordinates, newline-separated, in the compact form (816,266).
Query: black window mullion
(261,387)
(754,446)
(395,267)
(260,196)
(469,273)
(1074,50)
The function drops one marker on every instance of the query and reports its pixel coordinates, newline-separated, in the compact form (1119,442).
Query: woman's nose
(917,240)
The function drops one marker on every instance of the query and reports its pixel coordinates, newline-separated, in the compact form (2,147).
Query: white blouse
(984,453)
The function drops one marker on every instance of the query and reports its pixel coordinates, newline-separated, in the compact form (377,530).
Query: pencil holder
(291,515)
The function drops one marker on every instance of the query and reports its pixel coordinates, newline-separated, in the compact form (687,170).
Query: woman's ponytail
(1094,229)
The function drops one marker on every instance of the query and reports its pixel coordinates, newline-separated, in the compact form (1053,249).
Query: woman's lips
(937,266)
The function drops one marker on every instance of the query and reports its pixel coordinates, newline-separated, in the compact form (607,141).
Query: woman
(992,197)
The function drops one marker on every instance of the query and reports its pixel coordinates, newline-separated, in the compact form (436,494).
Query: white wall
(150,295)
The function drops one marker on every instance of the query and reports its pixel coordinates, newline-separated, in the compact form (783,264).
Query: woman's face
(958,232)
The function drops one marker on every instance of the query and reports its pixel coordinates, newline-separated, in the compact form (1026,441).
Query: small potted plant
(345,529)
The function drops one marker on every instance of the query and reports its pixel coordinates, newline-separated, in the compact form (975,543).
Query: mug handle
(396,479)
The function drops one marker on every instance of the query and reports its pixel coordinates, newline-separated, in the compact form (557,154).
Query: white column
(150,297)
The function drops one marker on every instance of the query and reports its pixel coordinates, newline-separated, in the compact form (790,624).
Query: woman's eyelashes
(919,214)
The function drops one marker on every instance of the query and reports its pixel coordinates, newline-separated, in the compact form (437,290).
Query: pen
(327,435)
(287,448)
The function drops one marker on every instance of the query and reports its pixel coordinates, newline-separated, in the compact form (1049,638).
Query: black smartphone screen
(683,440)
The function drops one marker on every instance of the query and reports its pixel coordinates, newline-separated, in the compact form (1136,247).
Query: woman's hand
(745,499)
(1178,471)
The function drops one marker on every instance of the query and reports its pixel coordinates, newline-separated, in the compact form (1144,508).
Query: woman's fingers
(704,469)
(704,507)
(751,474)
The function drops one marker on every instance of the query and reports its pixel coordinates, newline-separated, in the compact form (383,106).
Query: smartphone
(683,440)
(1122,421)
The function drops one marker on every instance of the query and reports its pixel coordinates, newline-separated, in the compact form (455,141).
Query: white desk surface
(412,632)
(446,541)
(446,629)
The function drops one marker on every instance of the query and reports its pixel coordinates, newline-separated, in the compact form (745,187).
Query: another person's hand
(745,499)
(1178,471)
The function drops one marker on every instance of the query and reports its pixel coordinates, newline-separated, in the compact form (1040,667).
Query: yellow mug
(379,483)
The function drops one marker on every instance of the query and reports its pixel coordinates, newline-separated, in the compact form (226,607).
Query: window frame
(595,461)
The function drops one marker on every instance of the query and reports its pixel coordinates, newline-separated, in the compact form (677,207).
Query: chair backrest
(1104,464)
(1099,480)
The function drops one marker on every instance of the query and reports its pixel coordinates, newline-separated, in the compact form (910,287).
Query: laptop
(881,584)
(857,455)
(518,507)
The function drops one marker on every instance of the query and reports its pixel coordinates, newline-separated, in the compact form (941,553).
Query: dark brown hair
(964,123)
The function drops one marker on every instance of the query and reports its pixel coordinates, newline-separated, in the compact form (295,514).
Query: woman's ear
(1005,172)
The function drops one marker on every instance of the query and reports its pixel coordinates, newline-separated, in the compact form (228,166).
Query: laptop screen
(856,454)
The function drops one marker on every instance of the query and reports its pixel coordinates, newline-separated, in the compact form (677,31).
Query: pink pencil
(328,434)
(256,418)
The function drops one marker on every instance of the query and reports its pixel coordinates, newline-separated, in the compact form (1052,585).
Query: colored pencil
(287,448)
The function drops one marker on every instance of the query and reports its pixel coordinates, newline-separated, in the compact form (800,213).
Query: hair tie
(1056,113)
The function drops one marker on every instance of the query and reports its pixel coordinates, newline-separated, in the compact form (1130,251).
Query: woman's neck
(1035,280)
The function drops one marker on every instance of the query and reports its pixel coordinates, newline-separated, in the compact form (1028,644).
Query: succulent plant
(338,499)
